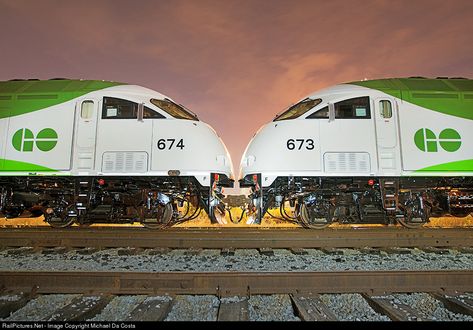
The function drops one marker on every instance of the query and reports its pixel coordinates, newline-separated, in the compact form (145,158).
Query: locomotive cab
(95,151)
(365,152)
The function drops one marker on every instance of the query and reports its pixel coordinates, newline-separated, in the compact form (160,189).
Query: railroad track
(234,292)
(220,238)
(234,295)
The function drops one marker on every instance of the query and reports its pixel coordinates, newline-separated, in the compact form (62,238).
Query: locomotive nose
(223,159)
(251,154)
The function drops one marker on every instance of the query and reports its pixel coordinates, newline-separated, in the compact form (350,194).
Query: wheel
(316,216)
(60,217)
(415,215)
(162,217)
(410,223)
(60,220)
(217,214)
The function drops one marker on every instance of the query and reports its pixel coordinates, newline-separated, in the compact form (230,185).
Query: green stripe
(14,165)
(20,97)
(458,166)
(441,95)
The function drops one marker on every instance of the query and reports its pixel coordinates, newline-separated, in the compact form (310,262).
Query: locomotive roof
(18,96)
(440,84)
(450,96)
(16,86)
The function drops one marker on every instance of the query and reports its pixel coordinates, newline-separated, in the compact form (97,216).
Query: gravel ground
(351,307)
(242,260)
(271,308)
(347,307)
(194,308)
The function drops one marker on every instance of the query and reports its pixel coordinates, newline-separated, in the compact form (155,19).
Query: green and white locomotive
(90,151)
(391,149)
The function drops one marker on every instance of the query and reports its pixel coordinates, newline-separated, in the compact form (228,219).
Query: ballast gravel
(351,307)
(194,308)
(347,307)
(271,308)
(241,260)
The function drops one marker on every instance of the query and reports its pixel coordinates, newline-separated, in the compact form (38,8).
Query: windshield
(176,110)
(298,109)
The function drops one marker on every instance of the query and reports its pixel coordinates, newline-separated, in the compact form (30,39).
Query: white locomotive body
(391,148)
(115,152)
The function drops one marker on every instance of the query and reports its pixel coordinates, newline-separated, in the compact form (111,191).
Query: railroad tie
(227,251)
(11,302)
(396,250)
(153,308)
(193,251)
(233,310)
(129,251)
(86,250)
(55,250)
(311,308)
(395,311)
(456,303)
(331,251)
(464,249)
(298,251)
(24,250)
(81,308)
(266,251)
(159,251)
(436,250)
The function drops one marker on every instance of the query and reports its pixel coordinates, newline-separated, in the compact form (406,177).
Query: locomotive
(394,150)
(92,151)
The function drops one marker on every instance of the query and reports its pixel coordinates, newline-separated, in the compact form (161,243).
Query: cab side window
(115,108)
(356,108)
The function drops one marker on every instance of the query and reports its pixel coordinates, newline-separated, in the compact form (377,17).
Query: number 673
(298,144)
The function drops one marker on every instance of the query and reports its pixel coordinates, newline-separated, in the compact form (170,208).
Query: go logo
(24,140)
(426,140)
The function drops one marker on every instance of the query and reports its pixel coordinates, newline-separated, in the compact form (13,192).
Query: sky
(235,63)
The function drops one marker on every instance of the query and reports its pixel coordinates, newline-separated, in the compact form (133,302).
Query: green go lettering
(24,140)
(426,140)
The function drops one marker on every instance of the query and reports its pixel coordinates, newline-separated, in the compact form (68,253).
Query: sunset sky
(236,63)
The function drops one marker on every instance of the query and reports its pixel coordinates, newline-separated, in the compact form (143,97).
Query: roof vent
(417,77)
(441,78)
(58,79)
